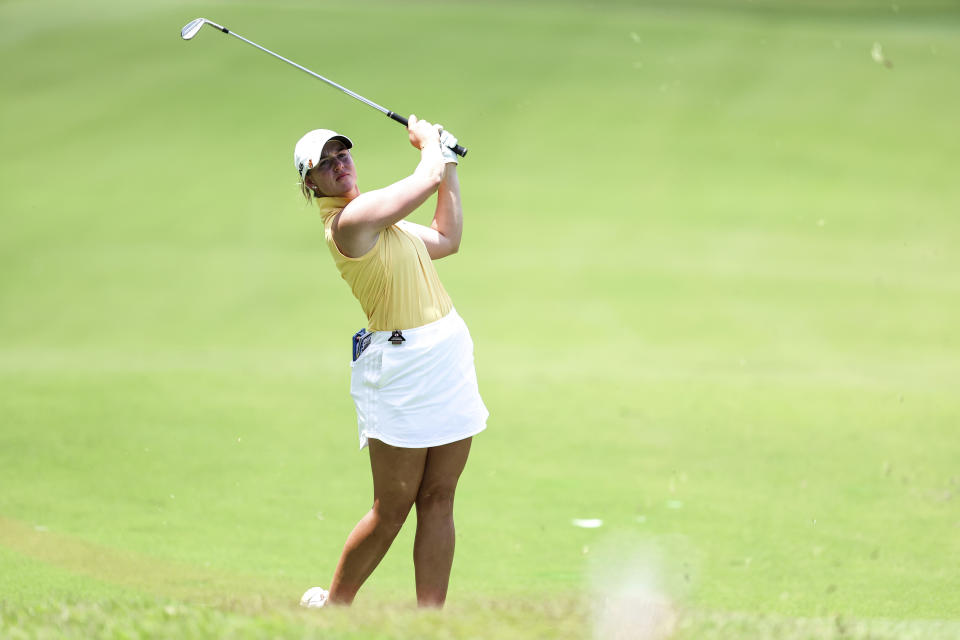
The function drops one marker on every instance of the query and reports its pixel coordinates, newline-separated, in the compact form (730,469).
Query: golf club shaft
(460,150)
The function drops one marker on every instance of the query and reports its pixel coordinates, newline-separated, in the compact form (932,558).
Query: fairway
(710,265)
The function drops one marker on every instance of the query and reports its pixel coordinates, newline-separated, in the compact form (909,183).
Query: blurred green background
(709,265)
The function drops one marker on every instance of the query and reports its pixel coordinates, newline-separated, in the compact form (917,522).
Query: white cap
(306,155)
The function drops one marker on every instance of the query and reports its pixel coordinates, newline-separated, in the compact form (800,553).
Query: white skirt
(422,392)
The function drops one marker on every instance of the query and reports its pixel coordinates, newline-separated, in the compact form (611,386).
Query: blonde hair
(307,192)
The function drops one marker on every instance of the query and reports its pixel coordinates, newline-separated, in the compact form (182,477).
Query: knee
(391,516)
(435,502)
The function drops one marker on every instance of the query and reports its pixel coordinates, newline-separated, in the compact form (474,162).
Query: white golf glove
(447,142)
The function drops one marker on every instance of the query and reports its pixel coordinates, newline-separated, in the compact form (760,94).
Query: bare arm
(442,237)
(356,228)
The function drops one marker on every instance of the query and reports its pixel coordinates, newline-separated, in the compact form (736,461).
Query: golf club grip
(460,150)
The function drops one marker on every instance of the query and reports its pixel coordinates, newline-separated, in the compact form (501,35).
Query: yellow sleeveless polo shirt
(395,282)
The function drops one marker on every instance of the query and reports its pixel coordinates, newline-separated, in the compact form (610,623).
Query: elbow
(446,247)
(453,244)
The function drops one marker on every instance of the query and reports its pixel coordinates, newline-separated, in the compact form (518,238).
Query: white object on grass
(314,598)
(879,57)
(588,523)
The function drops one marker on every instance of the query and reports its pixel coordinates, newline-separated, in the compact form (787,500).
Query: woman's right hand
(422,133)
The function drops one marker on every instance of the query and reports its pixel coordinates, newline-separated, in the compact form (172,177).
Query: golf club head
(193,27)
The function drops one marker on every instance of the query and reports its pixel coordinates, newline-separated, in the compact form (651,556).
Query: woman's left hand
(447,142)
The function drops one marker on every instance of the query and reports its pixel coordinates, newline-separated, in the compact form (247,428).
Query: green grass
(709,266)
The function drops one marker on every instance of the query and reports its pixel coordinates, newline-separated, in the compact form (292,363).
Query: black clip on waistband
(397,337)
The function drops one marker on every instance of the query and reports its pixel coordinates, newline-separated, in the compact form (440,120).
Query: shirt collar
(330,206)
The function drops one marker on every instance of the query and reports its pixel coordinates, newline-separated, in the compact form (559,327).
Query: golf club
(193,27)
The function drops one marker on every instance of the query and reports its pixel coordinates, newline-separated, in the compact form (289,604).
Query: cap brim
(344,139)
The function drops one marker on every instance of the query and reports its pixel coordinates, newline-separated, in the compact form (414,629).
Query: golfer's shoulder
(375,210)
(360,210)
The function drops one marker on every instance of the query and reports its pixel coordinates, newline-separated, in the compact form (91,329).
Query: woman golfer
(413,380)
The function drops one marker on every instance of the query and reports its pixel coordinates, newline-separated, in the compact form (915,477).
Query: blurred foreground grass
(513,620)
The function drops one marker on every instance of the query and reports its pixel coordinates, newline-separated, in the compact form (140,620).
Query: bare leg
(436,537)
(397,474)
